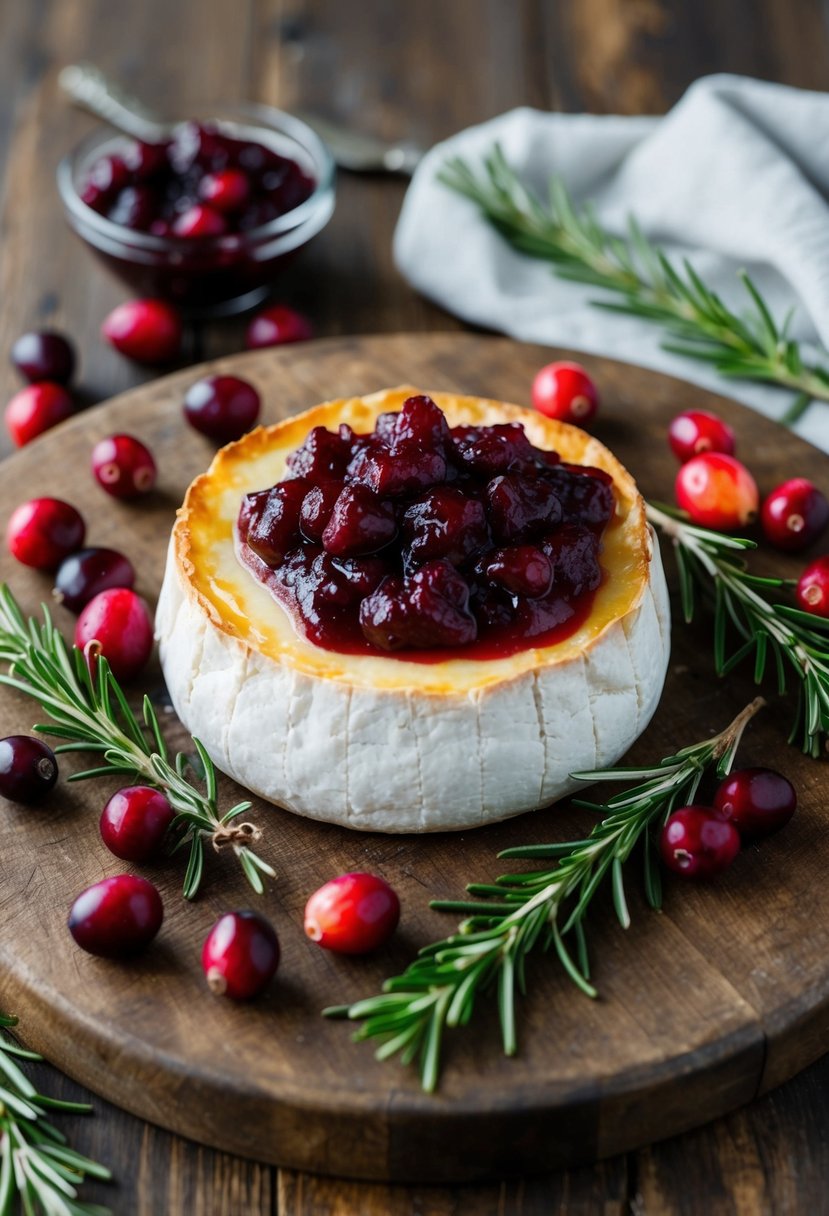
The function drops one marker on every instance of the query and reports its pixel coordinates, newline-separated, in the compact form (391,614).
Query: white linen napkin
(735,176)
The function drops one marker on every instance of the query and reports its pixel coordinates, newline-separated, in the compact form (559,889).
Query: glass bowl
(214,275)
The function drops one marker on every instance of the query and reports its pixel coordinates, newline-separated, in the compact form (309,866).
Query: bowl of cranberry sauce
(208,218)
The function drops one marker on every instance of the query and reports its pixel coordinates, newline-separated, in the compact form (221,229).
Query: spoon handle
(89,88)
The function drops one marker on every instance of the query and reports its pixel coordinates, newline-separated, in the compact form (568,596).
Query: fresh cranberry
(697,431)
(35,409)
(117,917)
(276,326)
(227,190)
(756,800)
(148,331)
(43,531)
(812,590)
(360,523)
(717,491)
(566,392)
(317,506)
(87,573)
(794,515)
(200,221)
(135,821)
(524,570)
(28,769)
(118,625)
(240,955)
(123,466)
(352,914)
(697,843)
(429,609)
(222,407)
(44,355)
(519,507)
(273,528)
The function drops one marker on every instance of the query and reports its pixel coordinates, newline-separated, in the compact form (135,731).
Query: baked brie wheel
(383,741)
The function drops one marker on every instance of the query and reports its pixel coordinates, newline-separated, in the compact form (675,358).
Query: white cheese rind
(405,760)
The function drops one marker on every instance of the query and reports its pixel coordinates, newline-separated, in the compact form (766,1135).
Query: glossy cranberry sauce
(420,538)
(204,182)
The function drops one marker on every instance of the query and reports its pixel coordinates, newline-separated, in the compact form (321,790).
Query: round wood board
(722,995)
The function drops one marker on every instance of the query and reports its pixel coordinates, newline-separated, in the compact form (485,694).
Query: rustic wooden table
(419,71)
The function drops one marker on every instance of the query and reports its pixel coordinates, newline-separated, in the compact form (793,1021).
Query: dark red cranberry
(117,624)
(42,532)
(276,326)
(444,522)
(135,207)
(419,421)
(222,407)
(698,843)
(697,431)
(565,391)
(488,451)
(117,917)
(586,494)
(360,523)
(273,529)
(87,573)
(145,161)
(35,409)
(323,456)
(240,955)
(523,570)
(316,509)
(200,221)
(106,177)
(520,507)
(428,609)
(135,821)
(404,469)
(574,552)
(123,466)
(148,331)
(227,190)
(794,515)
(28,769)
(352,914)
(44,355)
(756,800)
(813,588)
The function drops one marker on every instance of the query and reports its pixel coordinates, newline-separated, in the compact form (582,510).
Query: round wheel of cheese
(379,742)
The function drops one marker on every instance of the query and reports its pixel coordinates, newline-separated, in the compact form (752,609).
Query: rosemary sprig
(542,908)
(92,714)
(700,325)
(36,1165)
(710,562)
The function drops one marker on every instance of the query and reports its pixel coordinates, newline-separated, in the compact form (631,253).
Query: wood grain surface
(721,995)
(429,69)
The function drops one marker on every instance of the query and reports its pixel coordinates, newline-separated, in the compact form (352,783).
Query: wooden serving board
(722,995)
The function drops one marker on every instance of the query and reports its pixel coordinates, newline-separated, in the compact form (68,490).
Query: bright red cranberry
(35,409)
(222,407)
(123,466)
(813,587)
(352,914)
(277,326)
(360,523)
(697,431)
(718,492)
(697,843)
(227,190)
(134,823)
(119,623)
(566,392)
(43,531)
(200,221)
(240,955)
(87,573)
(795,514)
(117,917)
(28,769)
(44,355)
(523,570)
(756,800)
(148,331)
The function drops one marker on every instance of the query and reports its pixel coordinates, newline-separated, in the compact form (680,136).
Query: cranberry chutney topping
(418,538)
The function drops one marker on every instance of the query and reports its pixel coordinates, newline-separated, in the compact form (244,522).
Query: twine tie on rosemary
(235,834)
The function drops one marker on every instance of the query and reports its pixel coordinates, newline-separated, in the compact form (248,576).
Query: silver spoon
(90,88)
